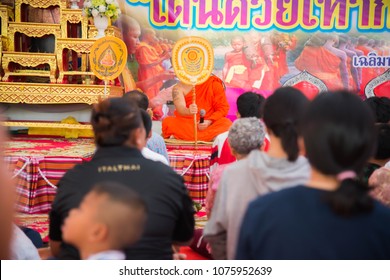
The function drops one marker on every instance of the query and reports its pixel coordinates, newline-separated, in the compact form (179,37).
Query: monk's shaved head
(131,31)
(127,23)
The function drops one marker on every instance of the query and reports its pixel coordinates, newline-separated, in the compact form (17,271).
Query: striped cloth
(38,164)
(195,168)
(36,179)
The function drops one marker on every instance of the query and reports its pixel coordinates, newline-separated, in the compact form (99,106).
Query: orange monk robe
(146,55)
(211,97)
(351,81)
(237,70)
(164,47)
(127,80)
(367,73)
(158,48)
(257,71)
(322,64)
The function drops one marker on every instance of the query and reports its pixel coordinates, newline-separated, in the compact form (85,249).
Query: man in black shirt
(120,136)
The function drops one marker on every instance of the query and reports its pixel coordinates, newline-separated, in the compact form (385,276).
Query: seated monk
(211,97)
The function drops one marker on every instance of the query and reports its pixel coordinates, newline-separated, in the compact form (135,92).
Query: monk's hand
(204,125)
(193,109)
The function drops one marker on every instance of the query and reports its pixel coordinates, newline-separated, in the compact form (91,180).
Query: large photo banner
(259,45)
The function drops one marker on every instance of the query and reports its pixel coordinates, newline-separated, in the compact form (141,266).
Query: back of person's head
(140,98)
(250,104)
(123,211)
(383,147)
(380,106)
(147,121)
(283,112)
(114,120)
(339,136)
(245,135)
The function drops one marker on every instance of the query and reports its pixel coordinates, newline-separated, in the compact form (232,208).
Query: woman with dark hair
(120,135)
(332,216)
(260,172)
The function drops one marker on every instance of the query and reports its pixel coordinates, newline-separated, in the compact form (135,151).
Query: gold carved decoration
(32,30)
(73,16)
(5,13)
(110,31)
(81,46)
(36,4)
(47,125)
(33,93)
(29,60)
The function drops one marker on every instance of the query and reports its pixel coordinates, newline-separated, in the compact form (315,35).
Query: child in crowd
(146,152)
(332,215)
(110,218)
(249,104)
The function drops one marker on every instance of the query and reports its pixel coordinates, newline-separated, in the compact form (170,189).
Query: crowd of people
(305,180)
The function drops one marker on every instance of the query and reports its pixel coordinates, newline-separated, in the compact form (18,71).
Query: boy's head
(110,217)
(237,43)
(250,104)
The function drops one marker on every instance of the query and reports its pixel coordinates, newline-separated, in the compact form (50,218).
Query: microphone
(202,113)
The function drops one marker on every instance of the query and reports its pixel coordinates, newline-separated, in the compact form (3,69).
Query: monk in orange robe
(281,44)
(210,96)
(353,75)
(367,73)
(320,58)
(150,61)
(235,70)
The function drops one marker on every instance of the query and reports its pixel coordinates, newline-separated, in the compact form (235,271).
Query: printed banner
(260,45)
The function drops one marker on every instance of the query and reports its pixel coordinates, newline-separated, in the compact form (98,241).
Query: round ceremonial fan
(193,63)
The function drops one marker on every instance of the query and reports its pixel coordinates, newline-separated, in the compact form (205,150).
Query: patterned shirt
(156,144)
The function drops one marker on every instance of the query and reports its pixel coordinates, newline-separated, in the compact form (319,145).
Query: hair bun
(102,119)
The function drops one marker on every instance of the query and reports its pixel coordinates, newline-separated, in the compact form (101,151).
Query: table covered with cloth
(37,164)
(194,165)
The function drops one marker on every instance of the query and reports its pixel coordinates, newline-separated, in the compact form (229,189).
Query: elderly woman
(120,137)
(245,135)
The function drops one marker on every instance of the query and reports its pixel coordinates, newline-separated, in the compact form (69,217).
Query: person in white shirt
(21,247)
(146,152)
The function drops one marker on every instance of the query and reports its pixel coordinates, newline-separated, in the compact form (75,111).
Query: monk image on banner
(235,71)
(131,32)
(367,73)
(320,58)
(353,74)
(210,97)
(150,61)
(282,43)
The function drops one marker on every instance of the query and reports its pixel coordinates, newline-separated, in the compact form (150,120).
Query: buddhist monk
(210,96)
(353,76)
(149,61)
(255,55)
(235,70)
(131,32)
(367,73)
(320,58)
(282,43)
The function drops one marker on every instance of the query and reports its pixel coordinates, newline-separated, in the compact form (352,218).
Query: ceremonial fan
(193,62)
(108,58)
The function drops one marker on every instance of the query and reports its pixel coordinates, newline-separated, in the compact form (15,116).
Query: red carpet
(191,255)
